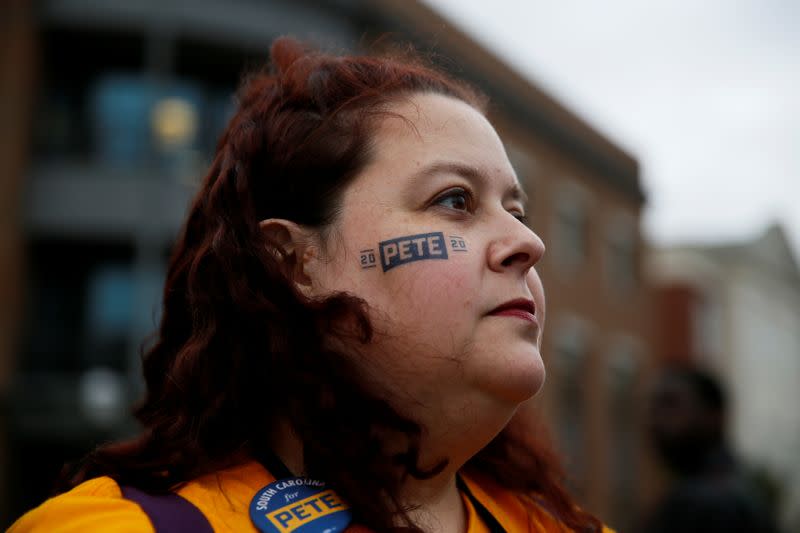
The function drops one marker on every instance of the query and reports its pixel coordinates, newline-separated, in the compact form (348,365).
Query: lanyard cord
(487,517)
(272,463)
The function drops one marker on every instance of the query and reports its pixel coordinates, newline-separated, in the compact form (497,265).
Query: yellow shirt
(224,498)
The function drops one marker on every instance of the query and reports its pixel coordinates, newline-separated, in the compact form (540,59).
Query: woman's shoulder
(224,496)
(94,505)
(98,504)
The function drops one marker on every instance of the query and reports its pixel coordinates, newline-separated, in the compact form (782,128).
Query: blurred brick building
(129,98)
(734,310)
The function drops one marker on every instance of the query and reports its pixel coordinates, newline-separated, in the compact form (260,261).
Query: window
(622,266)
(571,227)
(62,126)
(109,310)
(570,365)
(621,380)
(66,300)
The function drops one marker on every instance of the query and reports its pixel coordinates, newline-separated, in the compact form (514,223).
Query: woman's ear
(292,246)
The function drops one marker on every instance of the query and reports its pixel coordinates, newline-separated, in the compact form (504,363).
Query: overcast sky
(706,94)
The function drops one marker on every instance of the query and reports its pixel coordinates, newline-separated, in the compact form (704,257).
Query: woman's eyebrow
(449,167)
(470,173)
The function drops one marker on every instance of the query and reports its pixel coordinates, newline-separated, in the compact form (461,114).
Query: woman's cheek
(434,291)
(425,271)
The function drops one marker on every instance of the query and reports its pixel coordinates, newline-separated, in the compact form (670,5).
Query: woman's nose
(517,248)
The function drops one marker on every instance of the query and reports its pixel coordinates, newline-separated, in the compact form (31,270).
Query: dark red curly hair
(238,348)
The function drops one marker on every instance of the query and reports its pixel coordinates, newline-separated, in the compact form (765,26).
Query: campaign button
(299,505)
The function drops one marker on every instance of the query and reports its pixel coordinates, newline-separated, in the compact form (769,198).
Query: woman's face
(430,236)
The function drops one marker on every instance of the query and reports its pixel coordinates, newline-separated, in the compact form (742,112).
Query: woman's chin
(522,384)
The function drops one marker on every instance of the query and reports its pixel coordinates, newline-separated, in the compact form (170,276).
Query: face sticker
(367,258)
(402,250)
(457,244)
(410,248)
(301,505)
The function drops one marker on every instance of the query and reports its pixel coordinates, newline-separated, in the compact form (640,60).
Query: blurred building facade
(130,97)
(734,310)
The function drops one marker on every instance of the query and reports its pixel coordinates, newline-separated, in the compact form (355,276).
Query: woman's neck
(453,431)
(436,503)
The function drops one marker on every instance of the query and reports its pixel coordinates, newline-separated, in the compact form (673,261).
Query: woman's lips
(519,308)
(519,313)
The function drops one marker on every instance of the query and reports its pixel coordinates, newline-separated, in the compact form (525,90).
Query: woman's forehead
(430,114)
(425,132)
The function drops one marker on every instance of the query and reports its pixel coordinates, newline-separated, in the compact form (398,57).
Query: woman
(352,300)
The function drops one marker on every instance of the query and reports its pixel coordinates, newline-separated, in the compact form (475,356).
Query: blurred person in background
(352,306)
(710,492)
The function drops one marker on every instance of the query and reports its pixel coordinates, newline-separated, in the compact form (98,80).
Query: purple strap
(169,513)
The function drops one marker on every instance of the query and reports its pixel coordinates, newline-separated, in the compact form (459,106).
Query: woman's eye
(457,199)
